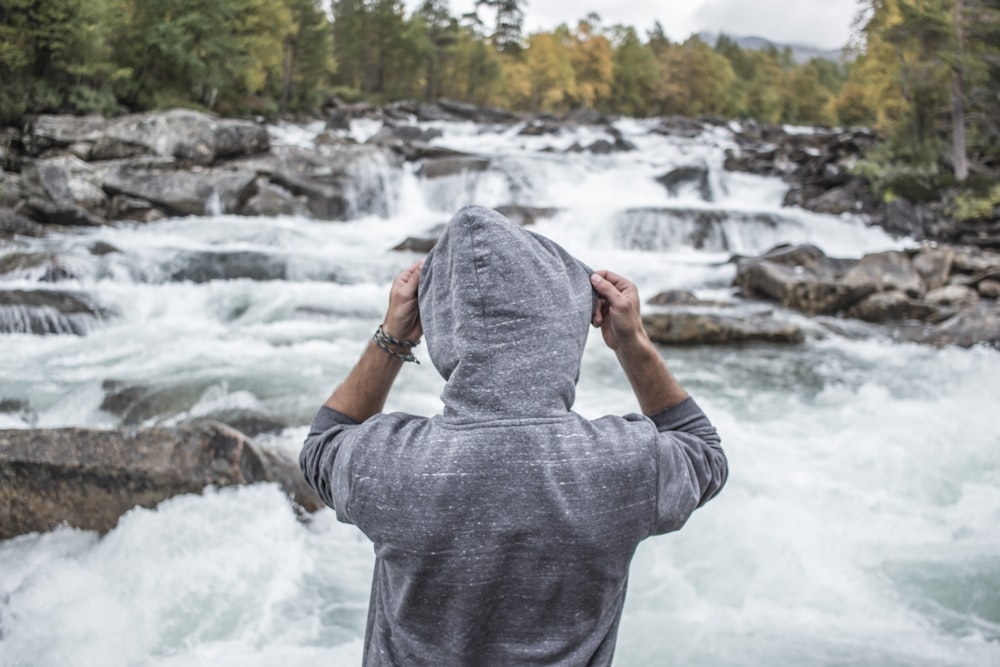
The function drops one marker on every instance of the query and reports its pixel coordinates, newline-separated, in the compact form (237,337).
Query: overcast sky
(826,23)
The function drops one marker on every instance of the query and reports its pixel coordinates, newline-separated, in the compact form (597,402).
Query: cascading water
(859,526)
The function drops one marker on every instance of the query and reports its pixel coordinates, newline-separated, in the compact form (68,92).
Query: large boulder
(183,134)
(200,192)
(64,190)
(801,278)
(680,327)
(887,271)
(688,176)
(89,478)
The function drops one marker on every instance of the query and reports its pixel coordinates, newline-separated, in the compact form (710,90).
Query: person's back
(504,528)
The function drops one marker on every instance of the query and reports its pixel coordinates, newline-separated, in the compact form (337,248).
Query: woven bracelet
(384,340)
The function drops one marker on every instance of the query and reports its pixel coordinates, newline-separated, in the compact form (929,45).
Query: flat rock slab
(88,478)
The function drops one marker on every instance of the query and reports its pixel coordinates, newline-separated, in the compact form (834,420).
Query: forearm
(654,385)
(364,392)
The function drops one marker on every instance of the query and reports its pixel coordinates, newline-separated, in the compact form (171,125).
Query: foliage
(927,73)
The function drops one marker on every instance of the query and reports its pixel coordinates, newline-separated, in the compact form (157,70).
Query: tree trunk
(960,155)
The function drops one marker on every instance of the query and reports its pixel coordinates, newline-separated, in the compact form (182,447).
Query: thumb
(604,287)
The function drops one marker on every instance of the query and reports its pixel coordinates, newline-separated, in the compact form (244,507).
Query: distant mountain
(801,53)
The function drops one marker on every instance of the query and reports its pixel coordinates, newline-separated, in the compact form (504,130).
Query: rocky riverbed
(60,173)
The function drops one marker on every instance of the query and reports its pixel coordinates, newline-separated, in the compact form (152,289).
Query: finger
(605,287)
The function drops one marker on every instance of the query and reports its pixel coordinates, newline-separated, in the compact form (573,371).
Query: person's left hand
(402,319)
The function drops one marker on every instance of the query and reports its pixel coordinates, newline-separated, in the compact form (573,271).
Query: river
(860,525)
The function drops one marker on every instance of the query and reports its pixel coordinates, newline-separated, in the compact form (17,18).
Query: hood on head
(505,314)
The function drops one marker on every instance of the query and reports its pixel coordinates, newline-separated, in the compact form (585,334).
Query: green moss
(972,205)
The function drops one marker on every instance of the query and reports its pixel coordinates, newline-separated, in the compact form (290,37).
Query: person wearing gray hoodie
(504,527)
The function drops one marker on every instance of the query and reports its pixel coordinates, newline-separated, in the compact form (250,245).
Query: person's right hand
(617,311)
(402,319)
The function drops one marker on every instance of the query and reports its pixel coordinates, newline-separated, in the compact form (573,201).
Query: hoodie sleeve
(691,466)
(325,458)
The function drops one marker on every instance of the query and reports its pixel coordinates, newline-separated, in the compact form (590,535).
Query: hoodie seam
(474,240)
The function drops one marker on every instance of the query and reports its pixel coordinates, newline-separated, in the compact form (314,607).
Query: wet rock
(971,326)
(13,224)
(854,196)
(420,244)
(484,115)
(526,215)
(989,289)
(188,136)
(682,298)
(690,175)
(934,265)
(102,249)
(45,312)
(889,307)
(678,126)
(954,296)
(124,207)
(801,278)
(64,190)
(203,267)
(886,271)
(48,132)
(11,193)
(452,166)
(137,405)
(680,327)
(209,191)
(249,422)
(89,478)
(268,199)
(391,133)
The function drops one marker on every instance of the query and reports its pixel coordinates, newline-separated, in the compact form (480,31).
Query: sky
(825,24)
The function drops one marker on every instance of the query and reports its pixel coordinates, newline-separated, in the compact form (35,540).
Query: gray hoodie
(504,528)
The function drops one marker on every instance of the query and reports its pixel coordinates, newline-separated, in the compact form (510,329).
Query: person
(504,527)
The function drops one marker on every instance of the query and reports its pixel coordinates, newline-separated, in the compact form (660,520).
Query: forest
(924,73)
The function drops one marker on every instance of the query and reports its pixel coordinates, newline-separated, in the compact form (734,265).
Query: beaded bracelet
(384,340)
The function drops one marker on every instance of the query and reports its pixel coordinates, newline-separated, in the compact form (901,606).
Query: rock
(420,244)
(11,193)
(89,478)
(968,327)
(52,132)
(13,224)
(137,405)
(801,278)
(903,218)
(526,215)
(20,410)
(102,249)
(210,191)
(188,136)
(890,306)
(541,126)
(934,265)
(886,271)
(48,312)
(954,296)
(452,166)
(249,422)
(40,266)
(682,298)
(391,133)
(334,178)
(679,126)
(696,175)
(483,115)
(854,196)
(694,328)
(798,289)
(124,207)
(268,199)
(205,266)
(989,289)
(64,190)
